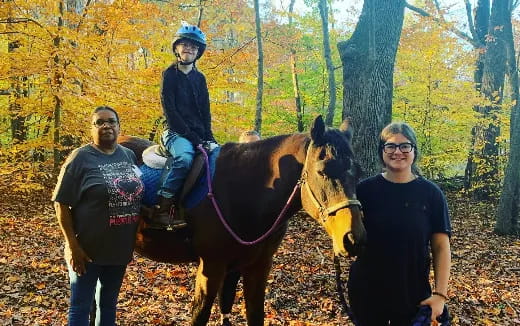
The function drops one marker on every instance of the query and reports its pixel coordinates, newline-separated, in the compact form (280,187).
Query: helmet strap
(184,63)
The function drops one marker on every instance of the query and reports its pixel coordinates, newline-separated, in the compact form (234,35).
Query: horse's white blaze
(337,226)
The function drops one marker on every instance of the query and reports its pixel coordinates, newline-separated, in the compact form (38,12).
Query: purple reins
(211,196)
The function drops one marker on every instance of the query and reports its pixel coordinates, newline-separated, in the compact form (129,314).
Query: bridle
(324,211)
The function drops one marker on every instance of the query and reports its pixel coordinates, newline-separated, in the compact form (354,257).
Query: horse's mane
(332,137)
(340,140)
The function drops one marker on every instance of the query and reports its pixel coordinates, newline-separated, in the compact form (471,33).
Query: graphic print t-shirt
(104,192)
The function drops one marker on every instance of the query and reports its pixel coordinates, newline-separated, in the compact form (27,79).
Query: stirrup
(173,226)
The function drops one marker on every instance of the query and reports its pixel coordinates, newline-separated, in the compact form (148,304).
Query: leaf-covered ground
(484,290)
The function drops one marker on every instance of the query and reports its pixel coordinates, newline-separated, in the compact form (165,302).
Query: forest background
(60,59)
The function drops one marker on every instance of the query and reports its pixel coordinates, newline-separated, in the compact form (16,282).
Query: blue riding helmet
(192,33)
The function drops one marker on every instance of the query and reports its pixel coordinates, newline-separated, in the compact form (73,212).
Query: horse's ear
(346,129)
(317,130)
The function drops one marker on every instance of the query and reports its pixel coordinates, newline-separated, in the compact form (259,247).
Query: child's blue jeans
(182,152)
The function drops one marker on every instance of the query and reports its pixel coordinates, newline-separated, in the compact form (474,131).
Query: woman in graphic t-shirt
(97,201)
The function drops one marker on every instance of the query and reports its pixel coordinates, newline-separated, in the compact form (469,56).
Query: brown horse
(252,185)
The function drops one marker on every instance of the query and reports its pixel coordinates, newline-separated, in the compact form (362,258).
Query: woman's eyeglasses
(390,148)
(100,122)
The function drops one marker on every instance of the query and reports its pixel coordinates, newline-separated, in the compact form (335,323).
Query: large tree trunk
(324,13)
(260,80)
(368,65)
(296,86)
(481,176)
(508,219)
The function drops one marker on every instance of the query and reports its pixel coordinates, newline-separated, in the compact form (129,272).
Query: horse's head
(328,194)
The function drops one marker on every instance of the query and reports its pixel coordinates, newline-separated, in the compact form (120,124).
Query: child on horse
(185,102)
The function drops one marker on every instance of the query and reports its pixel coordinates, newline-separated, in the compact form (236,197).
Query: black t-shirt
(104,192)
(400,219)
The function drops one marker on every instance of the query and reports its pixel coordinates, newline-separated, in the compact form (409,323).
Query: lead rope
(211,196)
(340,288)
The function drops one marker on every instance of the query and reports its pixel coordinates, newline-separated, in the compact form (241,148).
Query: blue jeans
(182,152)
(105,282)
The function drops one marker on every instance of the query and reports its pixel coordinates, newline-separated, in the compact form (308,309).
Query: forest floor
(484,287)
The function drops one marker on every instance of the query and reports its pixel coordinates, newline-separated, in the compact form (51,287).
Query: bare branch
(452,29)
(235,52)
(83,15)
(13,20)
(418,10)
(471,24)
(437,5)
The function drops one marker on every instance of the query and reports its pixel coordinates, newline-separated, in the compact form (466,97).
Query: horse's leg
(207,284)
(255,282)
(227,295)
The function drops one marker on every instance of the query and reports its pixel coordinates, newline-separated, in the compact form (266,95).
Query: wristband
(440,295)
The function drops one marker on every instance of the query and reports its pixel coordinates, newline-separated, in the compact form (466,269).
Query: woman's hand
(77,259)
(436,302)
(74,253)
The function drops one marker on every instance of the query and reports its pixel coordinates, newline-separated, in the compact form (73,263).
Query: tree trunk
(368,59)
(482,176)
(508,219)
(481,28)
(201,11)
(324,13)
(18,86)
(296,86)
(56,85)
(260,80)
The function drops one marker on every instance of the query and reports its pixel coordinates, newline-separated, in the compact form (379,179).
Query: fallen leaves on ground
(484,287)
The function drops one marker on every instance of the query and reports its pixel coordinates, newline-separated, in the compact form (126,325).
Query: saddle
(156,157)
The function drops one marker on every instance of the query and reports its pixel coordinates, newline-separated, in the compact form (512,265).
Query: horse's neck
(285,168)
(260,177)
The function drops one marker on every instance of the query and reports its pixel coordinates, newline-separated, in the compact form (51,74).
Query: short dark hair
(244,137)
(106,108)
(250,133)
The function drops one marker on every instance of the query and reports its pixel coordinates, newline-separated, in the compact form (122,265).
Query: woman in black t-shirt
(406,217)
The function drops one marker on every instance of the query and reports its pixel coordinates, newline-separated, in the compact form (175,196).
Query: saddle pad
(151,178)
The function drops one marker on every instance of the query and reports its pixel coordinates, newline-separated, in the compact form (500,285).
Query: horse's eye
(322,154)
(334,169)
(320,168)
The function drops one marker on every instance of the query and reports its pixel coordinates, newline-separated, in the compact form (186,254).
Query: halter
(325,212)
